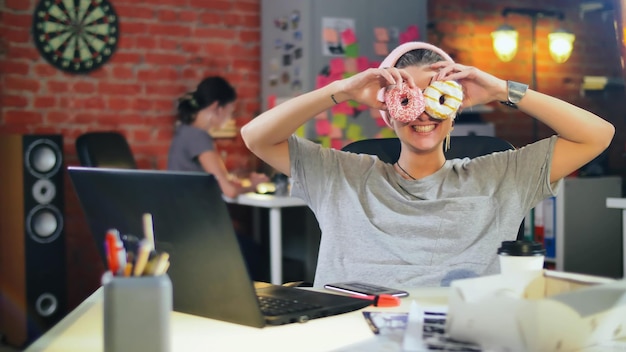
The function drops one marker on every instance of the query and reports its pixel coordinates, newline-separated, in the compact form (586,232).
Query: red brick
(158,74)
(42,102)
(24,52)
(145,42)
(15,67)
(187,16)
(167,15)
(117,103)
(83,87)
(122,72)
(45,70)
(169,90)
(22,117)
(17,20)
(126,58)
(15,35)
(57,87)
(168,44)
(220,5)
(165,59)
(129,28)
(215,33)
(19,5)
(118,89)
(141,104)
(14,101)
(56,117)
(132,12)
(19,83)
(169,30)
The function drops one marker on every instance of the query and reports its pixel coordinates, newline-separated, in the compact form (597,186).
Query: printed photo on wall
(332,29)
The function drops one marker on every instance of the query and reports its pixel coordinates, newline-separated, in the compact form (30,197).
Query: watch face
(76,36)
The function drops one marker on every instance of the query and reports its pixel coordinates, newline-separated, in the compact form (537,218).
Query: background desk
(82,330)
(620,203)
(274,204)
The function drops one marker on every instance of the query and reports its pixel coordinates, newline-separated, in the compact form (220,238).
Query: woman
(193,149)
(425,220)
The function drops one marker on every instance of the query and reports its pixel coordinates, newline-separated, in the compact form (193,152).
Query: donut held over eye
(404,104)
(443,99)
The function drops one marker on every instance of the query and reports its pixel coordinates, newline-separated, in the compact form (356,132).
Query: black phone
(365,289)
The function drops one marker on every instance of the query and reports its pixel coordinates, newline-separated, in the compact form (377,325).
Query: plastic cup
(517,256)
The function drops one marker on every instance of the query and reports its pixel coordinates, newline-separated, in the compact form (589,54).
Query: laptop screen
(191,223)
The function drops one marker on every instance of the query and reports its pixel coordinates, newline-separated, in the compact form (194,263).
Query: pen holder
(137,313)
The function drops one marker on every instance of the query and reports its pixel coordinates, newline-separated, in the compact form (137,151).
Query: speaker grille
(43,158)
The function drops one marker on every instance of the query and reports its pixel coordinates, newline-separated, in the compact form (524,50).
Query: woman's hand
(364,86)
(479,87)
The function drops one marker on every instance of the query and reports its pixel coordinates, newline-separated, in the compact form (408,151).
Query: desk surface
(266,200)
(82,330)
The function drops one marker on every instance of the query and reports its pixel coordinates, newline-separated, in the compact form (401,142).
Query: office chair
(388,150)
(104,149)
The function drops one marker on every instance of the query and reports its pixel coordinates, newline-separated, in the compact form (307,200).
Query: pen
(381,300)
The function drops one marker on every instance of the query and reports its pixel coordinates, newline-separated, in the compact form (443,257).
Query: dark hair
(210,90)
(418,57)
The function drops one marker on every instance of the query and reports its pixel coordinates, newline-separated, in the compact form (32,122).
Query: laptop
(192,224)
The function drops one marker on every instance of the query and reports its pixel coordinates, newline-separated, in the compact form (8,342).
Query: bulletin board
(307,44)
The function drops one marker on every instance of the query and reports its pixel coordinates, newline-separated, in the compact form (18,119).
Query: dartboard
(76,36)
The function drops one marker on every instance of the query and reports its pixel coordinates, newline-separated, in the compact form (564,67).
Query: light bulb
(561,45)
(505,42)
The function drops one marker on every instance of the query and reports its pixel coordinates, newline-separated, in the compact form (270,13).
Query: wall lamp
(505,38)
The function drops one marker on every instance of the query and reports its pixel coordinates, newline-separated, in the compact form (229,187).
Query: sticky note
(380,49)
(322,127)
(335,132)
(271,101)
(381,34)
(324,141)
(352,50)
(321,81)
(330,35)
(336,144)
(322,115)
(340,120)
(336,66)
(348,37)
(354,132)
(362,63)
(350,64)
(342,108)
(387,133)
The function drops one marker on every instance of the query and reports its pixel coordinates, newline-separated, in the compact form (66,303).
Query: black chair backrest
(388,150)
(105,149)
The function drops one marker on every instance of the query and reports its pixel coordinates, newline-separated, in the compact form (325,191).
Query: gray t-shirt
(188,143)
(379,228)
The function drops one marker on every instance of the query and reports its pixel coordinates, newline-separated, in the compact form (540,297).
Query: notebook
(192,223)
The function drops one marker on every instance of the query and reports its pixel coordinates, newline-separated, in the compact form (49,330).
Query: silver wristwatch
(515,93)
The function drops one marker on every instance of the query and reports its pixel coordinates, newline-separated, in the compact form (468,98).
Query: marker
(113,246)
(383,300)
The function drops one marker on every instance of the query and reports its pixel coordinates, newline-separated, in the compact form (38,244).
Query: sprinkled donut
(443,99)
(405,104)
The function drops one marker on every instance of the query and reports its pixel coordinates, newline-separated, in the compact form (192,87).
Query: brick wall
(167,46)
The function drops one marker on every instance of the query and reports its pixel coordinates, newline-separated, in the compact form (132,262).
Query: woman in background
(210,106)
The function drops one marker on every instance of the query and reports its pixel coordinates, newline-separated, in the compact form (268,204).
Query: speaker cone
(44,223)
(46,304)
(44,191)
(43,158)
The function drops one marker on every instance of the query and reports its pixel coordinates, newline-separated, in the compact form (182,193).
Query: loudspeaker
(32,241)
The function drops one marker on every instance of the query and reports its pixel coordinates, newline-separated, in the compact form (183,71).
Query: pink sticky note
(271,101)
(380,122)
(380,48)
(322,115)
(321,81)
(362,63)
(335,132)
(336,144)
(330,35)
(412,32)
(322,127)
(336,66)
(348,37)
(343,108)
(381,34)
(375,114)
(350,65)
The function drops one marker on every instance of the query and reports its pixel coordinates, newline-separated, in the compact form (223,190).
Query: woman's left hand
(479,87)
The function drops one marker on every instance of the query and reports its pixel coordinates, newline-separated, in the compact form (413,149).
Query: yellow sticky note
(354,132)
(340,120)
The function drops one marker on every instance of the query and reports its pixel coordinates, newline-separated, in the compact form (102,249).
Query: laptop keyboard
(272,306)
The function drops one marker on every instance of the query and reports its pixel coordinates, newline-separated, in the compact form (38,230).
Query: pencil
(148,229)
(143,254)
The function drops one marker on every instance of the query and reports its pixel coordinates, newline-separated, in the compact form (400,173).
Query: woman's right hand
(364,86)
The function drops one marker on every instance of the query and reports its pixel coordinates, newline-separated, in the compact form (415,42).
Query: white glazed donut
(443,99)
(405,104)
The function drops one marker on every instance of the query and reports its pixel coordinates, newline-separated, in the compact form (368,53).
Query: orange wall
(166,47)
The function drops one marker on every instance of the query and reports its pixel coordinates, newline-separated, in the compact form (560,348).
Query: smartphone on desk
(365,289)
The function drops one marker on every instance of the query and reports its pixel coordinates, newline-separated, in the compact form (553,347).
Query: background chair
(105,149)
(388,150)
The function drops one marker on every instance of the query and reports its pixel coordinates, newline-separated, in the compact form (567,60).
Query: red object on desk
(382,300)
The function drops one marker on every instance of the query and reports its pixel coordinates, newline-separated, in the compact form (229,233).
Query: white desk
(82,330)
(274,204)
(620,203)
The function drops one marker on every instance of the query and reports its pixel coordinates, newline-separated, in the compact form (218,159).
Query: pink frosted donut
(405,104)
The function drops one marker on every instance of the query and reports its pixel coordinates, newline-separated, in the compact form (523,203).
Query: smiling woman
(423,220)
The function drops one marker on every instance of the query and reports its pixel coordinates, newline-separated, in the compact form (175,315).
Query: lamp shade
(561,45)
(505,42)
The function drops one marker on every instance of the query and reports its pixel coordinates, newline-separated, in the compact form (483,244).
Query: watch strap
(515,93)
